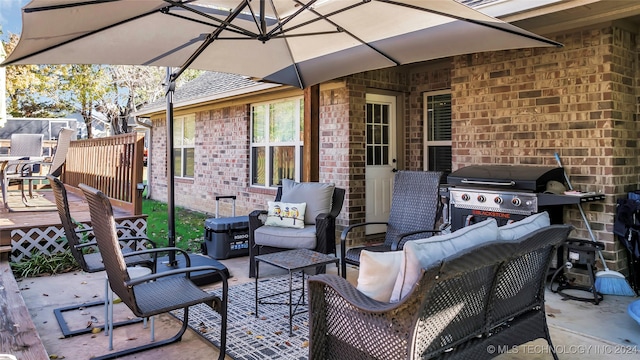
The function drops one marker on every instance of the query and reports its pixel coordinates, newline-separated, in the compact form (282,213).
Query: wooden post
(311,153)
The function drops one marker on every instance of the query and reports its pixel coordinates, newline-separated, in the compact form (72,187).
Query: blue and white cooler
(226,237)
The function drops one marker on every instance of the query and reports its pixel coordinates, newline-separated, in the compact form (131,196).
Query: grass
(189,236)
(43,265)
(189,225)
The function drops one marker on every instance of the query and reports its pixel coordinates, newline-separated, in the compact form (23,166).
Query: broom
(607,281)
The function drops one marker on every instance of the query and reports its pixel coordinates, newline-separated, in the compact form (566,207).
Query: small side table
(292,261)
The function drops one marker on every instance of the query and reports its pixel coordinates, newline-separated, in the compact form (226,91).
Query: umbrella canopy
(294,42)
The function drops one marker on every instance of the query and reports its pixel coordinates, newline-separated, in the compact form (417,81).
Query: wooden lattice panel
(51,239)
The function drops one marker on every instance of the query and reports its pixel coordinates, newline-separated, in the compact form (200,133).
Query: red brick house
(505,107)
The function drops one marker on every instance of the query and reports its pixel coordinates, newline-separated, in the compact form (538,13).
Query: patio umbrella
(292,42)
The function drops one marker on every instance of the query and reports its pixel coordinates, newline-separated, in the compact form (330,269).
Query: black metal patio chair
(152,294)
(415,207)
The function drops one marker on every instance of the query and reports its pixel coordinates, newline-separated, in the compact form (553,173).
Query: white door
(380,159)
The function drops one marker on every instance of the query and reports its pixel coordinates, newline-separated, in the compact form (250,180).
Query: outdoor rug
(251,338)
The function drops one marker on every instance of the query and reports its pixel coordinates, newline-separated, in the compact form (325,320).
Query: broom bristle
(613,283)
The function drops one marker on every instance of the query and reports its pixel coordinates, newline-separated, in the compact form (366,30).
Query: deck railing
(112,164)
(47,147)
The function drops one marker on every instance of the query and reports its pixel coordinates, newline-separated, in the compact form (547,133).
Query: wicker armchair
(155,293)
(324,230)
(415,207)
(491,294)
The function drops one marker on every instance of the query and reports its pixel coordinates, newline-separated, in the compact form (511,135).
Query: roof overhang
(240,92)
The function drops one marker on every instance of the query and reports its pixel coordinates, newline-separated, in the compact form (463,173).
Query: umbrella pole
(200,277)
(171,84)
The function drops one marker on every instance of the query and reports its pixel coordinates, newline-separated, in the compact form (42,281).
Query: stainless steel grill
(505,192)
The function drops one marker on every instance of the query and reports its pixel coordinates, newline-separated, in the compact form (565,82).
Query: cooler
(226,237)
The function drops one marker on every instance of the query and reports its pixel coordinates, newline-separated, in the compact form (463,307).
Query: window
(276,141)
(184,133)
(378,134)
(437,120)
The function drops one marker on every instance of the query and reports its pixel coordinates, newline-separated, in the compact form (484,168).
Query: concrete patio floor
(579,330)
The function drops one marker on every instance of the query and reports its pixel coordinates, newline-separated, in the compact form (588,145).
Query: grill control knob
(466,197)
(481,198)
(516,201)
(498,200)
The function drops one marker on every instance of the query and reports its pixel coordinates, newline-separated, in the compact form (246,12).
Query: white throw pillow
(285,214)
(423,253)
(518,229)
(378,272)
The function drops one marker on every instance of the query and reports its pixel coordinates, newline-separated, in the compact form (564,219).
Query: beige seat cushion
(286,238)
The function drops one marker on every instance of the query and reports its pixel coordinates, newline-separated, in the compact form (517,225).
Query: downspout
(144,122)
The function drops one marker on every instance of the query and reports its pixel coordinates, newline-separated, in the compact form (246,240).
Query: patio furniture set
(25,163)
(480,286)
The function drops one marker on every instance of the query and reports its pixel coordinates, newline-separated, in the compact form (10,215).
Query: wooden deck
(18,334)
(22,232)
(38,224)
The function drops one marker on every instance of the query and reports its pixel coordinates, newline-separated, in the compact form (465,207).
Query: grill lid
(512,177)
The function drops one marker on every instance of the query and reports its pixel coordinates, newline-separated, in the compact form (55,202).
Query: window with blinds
(437,120)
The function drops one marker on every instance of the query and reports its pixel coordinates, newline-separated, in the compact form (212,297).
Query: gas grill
(507,193)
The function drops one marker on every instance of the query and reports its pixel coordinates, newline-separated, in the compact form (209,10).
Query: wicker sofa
(471,305)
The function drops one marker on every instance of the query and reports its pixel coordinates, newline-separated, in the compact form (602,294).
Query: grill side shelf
(554,199)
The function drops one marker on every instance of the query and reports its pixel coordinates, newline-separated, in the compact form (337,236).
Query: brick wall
(221,164)
(335,146)
(520,107)
(508,107)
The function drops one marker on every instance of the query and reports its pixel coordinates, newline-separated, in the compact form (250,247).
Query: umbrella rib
(343,30)
(209,39)
(456,17)
(225,23)
(80,36)
(285,36)
(239,32)
(183,46)
(322,17)
(303,7)
(64,6)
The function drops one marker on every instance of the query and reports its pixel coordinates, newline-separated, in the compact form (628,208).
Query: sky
(10,17)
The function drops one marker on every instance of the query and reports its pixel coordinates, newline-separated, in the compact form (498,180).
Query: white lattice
(51,240)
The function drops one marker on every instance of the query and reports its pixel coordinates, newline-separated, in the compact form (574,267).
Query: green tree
(32,89)
(84,86)
(113,90)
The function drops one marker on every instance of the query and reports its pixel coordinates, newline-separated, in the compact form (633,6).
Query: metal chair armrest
(395,245)
(155,276)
